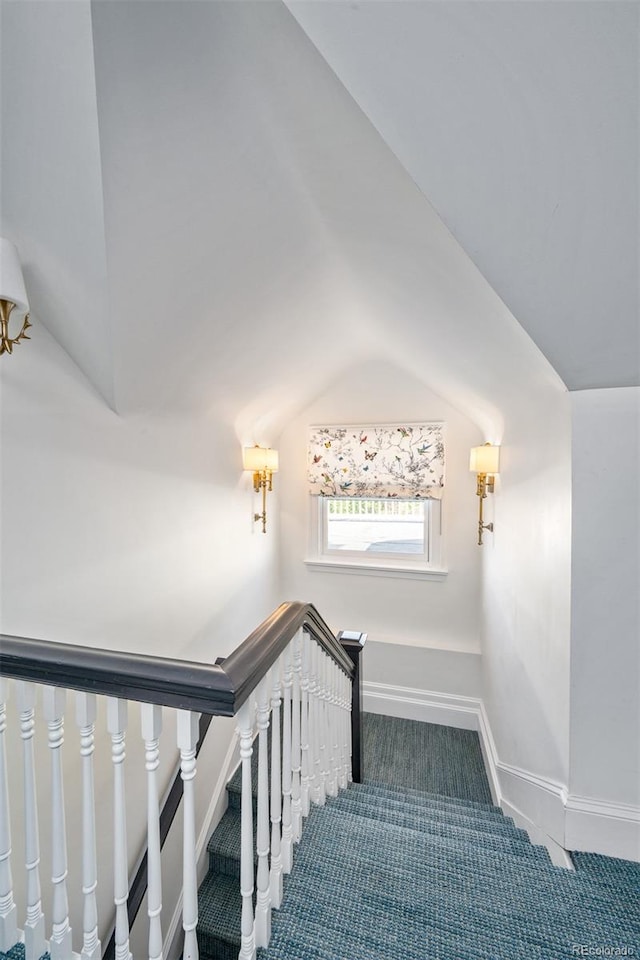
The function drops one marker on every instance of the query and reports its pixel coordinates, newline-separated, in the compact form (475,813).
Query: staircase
(385,872)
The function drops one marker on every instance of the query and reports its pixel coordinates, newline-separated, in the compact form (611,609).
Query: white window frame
(421,566)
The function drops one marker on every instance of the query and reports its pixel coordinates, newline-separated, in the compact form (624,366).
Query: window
(377,534)
(375,497)
(386,527)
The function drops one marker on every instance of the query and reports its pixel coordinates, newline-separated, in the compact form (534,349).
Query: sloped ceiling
(231,229)
(519,122)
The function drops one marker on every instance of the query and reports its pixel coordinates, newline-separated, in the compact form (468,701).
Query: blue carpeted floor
(424,756)
(415,864)
(17,953)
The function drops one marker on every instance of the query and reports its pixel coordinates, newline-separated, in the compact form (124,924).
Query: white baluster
(332,737)
(53,711)
(287,828)
(276,789)
(247,934)
(348,695)
(318,793)
(296,802)
(313,749)
(8,925)
(117,726)
(188,724)
(34,942)
(342,735)
(324,724)
(151,723)
(263,898)
(305,789)
(85,719)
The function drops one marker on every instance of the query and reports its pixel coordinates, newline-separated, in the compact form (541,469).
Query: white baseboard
(539,799)
(610,828)
(425,705)
(557,853)
(489,754)
(215,812)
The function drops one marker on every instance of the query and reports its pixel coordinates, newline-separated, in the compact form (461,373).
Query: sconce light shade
(485,459)
(257,459)
(11,283)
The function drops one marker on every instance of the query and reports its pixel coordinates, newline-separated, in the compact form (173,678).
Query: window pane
(376,526)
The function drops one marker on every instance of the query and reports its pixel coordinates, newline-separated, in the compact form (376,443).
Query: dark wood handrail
(213,689)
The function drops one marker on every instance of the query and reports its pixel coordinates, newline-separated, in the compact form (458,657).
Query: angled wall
(51,179)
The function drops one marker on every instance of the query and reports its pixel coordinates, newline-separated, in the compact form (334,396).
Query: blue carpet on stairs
(17,953)
(365,889)
(424,756)
(416,864)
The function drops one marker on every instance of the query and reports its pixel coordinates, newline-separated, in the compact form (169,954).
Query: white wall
(425,668)
(605,627)
(440,614)
(526,586)
(125,534)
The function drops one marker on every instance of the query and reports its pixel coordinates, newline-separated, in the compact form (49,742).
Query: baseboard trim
(535,803)
(489,754)
(610,828)
(557,853)
(428,706)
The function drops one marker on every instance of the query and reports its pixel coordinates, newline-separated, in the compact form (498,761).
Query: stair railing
(291,682)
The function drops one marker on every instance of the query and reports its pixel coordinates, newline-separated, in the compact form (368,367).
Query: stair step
(491,820)
(234,790)
(419,796)
(608,870)
(476,904)
(224,845)
(219,914)
(382,848)
(507,841)
(476,851)
(427,816)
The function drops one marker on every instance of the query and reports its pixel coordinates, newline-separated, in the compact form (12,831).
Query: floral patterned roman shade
(398,460)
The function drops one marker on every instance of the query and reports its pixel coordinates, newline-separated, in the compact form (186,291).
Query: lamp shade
(485,459)
(260,458)
(11,282)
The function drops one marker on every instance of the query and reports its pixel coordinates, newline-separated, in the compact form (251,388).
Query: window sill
(376,570)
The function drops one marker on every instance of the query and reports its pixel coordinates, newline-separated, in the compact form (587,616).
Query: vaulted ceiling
(221,205)
(519,121)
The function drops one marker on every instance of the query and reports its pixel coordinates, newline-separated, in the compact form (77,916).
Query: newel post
(352,642)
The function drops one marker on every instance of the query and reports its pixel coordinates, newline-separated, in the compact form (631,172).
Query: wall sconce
(263,463)
(12,294)
(485,462)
